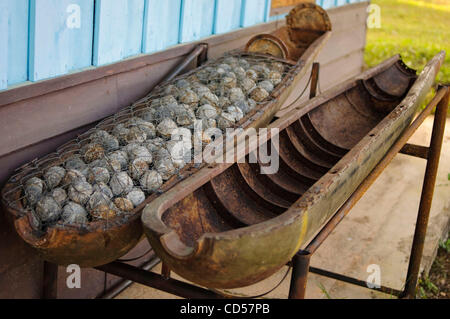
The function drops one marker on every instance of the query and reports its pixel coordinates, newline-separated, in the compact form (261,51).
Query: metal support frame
(151,279)
(301,261)
(431,154)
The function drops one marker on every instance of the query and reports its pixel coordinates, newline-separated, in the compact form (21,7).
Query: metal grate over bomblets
(108,171)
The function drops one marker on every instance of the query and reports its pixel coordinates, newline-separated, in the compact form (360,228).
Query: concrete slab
(378,231)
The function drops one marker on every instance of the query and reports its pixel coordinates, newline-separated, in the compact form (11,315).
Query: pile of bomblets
(114,169)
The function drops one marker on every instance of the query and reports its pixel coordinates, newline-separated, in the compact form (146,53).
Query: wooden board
(60,37)
(25,123)
(342,43)
(161,24)
(227,16)
(17,41)
(197,19)
(327,4)
(349,17)
(118,30)
(341,69)
(341,2)
(3,46)
(254,12)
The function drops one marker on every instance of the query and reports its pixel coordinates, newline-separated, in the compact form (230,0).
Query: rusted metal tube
(314,79)
(165,271)
(156,281)
(124,284)
(199,51)
(426,197)
(415,150)
(370,179)
(299,277)
(354,281)
(50,287)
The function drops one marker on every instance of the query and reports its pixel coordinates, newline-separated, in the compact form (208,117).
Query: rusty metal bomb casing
(221,229)
(304,24)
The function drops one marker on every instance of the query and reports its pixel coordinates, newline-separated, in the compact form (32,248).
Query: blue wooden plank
(161,24)
(3,45)
(17,41)
(253,12)
(60,37)
(227,16)
(278,17)
(197,19)
(267,10)
(340,3)
(327,4)
(118,30)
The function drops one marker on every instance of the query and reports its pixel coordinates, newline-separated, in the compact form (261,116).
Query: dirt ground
(437,285)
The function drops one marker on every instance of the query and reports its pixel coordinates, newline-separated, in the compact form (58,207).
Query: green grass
(445,244)
(324,291)
(417,30)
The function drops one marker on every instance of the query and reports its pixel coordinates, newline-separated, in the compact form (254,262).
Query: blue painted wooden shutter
(161,24)
(228,15)
(17,41)
(60,37)
(254,12)
(118,30)
(197,19)
(3,45)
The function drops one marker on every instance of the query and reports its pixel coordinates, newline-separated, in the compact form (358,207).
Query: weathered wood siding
(17,45)
(59,43)
(49,38)
(197,19)
(3,45)
(41,39)
(227,15)
(118,30)
(254,12)
(36,118)
(161,24)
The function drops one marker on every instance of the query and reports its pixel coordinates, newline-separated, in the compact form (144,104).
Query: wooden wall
(36,118)
(42,39)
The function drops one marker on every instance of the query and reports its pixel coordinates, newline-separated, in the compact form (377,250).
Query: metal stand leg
(150,279)
(426,197)
(50,289)
(165,271)
(300,269)
(314,79)
(199,54)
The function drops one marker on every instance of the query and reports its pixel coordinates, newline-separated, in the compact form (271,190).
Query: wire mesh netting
(107,172)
